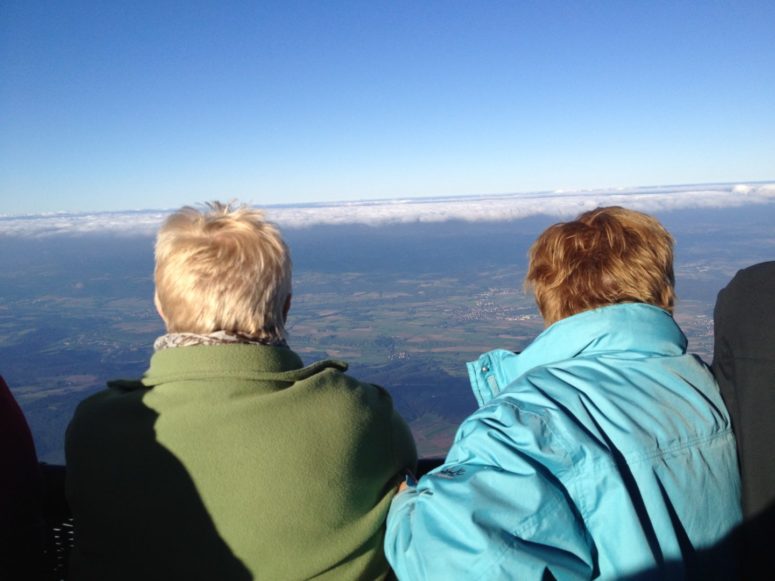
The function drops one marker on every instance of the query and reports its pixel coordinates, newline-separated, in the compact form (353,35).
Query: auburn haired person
(230,459)
(603,450)
(604,257)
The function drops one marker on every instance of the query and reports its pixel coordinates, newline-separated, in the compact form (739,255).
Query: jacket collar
(629,329)
(237,361)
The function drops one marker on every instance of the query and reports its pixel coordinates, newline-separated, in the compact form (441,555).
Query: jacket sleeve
(493,510)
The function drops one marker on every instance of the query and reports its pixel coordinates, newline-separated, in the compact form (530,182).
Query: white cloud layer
(503,207)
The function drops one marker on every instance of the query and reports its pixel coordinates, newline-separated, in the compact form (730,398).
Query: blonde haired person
(224,270)
(230,459)
(603,450)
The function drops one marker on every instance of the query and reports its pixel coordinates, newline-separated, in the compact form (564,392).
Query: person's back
(230,459)
(744,365)
(21,519)
(603,450)
(282,472)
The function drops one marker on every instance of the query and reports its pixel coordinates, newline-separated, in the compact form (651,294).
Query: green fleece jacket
(234,462)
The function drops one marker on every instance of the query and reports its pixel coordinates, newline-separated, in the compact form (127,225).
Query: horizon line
(471,208)
(450,197)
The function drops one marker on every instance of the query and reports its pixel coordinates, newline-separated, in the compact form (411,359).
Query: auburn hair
(605,256)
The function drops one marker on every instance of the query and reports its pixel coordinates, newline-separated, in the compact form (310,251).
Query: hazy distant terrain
(406,303)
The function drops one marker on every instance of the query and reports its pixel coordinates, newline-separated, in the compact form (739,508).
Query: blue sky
(109,106)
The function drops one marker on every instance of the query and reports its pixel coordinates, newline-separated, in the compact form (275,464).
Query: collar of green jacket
(248,362)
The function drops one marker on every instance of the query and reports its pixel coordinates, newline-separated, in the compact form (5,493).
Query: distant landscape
(407,304)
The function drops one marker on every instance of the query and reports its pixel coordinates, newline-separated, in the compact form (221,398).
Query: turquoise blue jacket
(601,451)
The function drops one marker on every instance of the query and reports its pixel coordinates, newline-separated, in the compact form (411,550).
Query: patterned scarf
(171,340)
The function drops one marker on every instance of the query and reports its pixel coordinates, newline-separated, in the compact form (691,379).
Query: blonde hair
(605,256)
(222,269)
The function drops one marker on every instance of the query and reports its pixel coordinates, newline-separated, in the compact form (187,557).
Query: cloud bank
(502,207)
